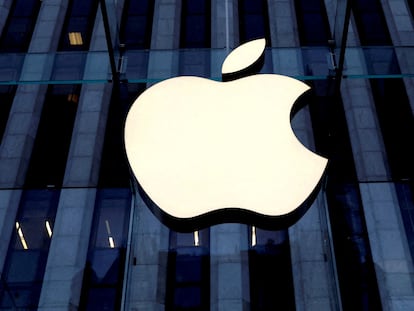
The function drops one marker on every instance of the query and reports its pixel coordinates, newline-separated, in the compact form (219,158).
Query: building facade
(75,233)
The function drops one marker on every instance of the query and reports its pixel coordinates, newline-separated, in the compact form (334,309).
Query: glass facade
(75,230)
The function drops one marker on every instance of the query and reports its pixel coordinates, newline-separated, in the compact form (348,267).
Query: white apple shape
(222,150)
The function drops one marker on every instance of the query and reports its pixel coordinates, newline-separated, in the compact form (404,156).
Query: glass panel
(51,147)
(396,120)
(195,24)
(136,28)
(312,23)
(114,170)
(405,194)
(188,271)
(27,255)
(356,275)
(254,20)
(104,271)
(397,125)
(93,67)
(19,26)
(78,26)
(271,282)
(370,21)
(6,100)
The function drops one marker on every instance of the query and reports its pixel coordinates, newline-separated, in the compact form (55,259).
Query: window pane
(28,249)
(114,170)
(195,24)
(253,20)
(271,282)
(136,27)
(312,23)
(19,26)
(51,147)
(6,100)
(80,17)
(104,270)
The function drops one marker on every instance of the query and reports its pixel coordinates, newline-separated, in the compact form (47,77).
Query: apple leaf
(243,57)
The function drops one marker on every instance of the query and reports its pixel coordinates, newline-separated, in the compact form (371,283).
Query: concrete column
(9,202)
(24,116)
(282,22)
(147,273)
(164,59)
(166,25)
(64,274)
(229,279)
(224,33)
(224,24)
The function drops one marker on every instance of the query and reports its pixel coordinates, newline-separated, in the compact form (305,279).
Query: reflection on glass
(48,228)
(21,235)
(253,236)
(188,271)
(103,273)
(22,275)
(270,271)
(196,239)
(75,38)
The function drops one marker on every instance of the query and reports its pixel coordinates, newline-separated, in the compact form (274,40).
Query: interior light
(111,242)
(74,98)
(75,38)
(49,229)
(196,239)
(254,239)
(110,238)
(21,236)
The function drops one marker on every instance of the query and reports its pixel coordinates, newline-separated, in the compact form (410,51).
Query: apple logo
(205,152)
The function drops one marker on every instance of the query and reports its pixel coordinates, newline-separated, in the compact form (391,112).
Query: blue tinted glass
(370,22)
(253,20)
(195,33)
(139,7)
(114,171)
(188,297)
(397,125)
(312,23)
(195,24)
(136,27)
(19,26)
(405,193)
(25,7)
(196,6)
(82,7)
(255,28)
(47,165)
(102,280)
(80,17)
(253,6)
(6,100)
(356,274)
(27,254)
(100,299)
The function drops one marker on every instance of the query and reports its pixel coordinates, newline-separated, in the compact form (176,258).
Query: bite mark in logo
(205,152)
